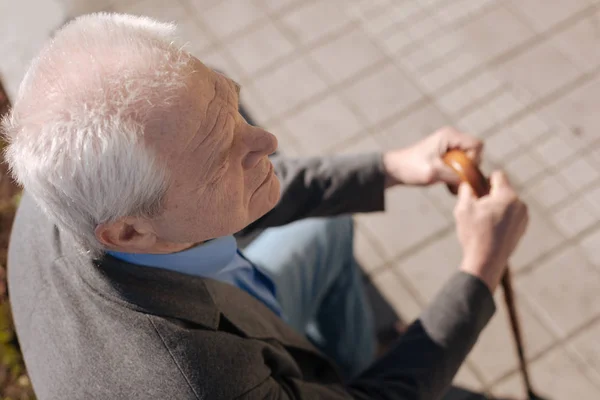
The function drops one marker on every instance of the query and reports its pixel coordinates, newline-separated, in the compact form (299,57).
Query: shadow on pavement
(385,322)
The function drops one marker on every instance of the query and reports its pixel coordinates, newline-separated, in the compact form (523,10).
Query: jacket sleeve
(325,186)
(422,363)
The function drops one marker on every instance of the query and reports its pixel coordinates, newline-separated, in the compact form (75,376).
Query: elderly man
(125,277)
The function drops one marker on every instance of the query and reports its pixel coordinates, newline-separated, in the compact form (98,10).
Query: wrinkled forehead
(210,88)
(197,113)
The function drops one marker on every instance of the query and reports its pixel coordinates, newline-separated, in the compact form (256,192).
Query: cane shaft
(509,299)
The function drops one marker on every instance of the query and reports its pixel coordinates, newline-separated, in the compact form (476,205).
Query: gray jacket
(106,329)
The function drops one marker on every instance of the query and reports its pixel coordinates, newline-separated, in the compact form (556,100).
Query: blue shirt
(219,259)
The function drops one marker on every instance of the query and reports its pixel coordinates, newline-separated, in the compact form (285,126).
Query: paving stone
(74,8)
(382,93)
(411,128)
(313,20)
(289,85)
(574,217)
(563,290)
(575,116)
(220,59)
(478,121)
(590,244)
(494,32)
(254,103)
(430,268)
(325,124)
(200,5)
(541,237)
(554,150)
(542,15)
(579,173)
(278,6)
(231,16)
(403,303)
(160,10)
(581,40)
(466,379)
(287,144)
(548,191)
(441,196)
(469,93)
(367,254)
(539,70)
(592,196)
(410,219)
(586,345)
(347,54)
(501,145)
(260,48)
(530,129)
(365,144)
(423,26)
(523,168)
(554,376)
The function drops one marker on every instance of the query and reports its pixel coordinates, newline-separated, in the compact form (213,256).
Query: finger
(499,183)
(466,196)
(523,222)
(464,204)
(475,154)
(445,173)
(465,142)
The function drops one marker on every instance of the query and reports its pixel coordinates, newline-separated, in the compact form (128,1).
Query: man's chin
(275,192)
(267,202)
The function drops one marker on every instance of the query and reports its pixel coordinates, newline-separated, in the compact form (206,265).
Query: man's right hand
(489,228)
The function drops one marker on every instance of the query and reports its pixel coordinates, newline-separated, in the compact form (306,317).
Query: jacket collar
(154,291)
(207,259)
(201,301)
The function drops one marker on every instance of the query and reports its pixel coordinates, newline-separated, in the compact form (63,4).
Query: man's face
(222,179)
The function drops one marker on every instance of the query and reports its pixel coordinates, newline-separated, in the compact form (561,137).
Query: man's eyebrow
(238,87)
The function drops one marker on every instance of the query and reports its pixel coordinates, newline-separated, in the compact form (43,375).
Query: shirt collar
(205,259)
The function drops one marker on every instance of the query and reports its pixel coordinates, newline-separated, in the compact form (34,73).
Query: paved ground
(350,75)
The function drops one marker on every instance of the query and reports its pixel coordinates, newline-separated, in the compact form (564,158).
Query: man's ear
(132,235)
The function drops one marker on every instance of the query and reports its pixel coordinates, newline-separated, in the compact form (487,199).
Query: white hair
(75,133)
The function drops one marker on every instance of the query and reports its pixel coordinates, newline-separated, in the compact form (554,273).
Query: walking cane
(470,173)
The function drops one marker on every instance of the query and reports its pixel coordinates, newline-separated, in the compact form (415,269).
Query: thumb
(465,194)
(447,174)
(499,181)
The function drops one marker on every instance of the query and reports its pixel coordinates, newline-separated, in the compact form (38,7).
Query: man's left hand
(421,164)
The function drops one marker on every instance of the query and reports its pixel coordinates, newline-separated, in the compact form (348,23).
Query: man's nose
(260,143)
(272,143)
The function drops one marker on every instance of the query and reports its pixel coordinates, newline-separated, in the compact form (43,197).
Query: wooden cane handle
(468,171)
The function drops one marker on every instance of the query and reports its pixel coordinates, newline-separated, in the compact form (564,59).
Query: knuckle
(457,211)
(460,210)
(446,130)
(511,195)
(511,199)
